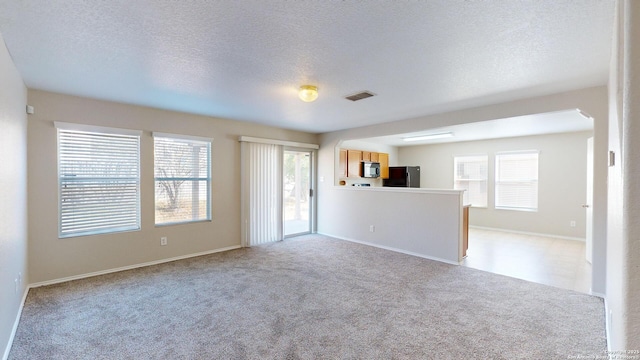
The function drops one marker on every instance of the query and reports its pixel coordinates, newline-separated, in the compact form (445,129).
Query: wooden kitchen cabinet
(342,165)
(354,158)
(350,162)
(383,159)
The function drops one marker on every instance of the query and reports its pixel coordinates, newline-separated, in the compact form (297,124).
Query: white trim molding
(97,273)
(607,320)
(528,233)
(130,267)
(278,142)
(391,249)
(7,349)
(95,129)
(181,136)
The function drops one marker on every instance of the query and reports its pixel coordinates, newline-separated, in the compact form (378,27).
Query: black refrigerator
(403,176)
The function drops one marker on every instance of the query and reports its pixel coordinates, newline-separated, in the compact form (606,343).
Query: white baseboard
(607,324)
(129,267)
(527,233)
(7,349)
(103,272)
(97,273)
(391,249)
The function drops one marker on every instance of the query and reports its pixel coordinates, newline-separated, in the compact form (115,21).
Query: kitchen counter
(400,189)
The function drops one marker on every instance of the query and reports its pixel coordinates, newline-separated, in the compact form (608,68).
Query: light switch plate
(612,158)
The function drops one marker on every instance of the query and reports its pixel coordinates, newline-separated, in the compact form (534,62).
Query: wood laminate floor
(545,260)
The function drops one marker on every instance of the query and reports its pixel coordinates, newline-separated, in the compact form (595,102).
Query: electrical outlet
(372,228)
(163,241)
(572,223)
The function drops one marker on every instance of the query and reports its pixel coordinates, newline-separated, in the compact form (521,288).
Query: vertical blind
(470,174)
(182,168)
(262,193)
(99,182)
(517,180)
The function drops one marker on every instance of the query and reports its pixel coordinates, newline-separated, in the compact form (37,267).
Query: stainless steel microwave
(370,169)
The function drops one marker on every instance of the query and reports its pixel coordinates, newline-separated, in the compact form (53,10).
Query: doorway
(587,206)
(297,191)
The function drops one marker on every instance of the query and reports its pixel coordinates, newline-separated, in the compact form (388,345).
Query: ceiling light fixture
(308,93)
(429,136)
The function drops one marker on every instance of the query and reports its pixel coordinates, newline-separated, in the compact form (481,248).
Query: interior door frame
(313,203)
(588,206)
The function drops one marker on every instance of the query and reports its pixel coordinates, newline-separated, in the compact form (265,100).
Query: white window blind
(470,173)
(261,193)
(517,180)
(99,182)
(182,167)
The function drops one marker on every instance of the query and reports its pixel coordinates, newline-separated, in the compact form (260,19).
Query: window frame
(535,181)
(186,138)
(62,127)
(467,192)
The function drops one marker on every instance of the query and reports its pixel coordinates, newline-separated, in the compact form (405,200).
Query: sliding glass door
(297,191)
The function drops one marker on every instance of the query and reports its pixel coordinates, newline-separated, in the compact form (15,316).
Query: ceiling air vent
(360,96)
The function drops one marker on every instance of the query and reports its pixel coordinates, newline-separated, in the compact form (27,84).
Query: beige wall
(51,258)
(591,100)
(561,185)
(13,194)
(420,222)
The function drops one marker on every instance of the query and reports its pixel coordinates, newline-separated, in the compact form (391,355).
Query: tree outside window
(182,178)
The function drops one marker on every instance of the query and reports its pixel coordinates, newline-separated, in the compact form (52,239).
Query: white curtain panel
(261,193)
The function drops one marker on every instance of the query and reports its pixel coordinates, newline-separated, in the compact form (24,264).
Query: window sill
(182,223)
(516,209)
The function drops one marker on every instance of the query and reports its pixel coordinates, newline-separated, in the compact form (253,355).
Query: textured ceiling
(245,59)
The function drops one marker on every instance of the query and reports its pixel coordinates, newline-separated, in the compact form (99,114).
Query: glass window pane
(470,174)
(182,180)
(517,180)
(99,182)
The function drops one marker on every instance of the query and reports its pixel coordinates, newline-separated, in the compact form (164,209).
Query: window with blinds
(517,180)
(182,167)
(99,182)
(470,174)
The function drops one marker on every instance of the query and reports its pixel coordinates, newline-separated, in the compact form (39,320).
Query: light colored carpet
(311,297)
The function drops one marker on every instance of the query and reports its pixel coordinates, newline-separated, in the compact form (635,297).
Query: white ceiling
(245,59)
(547,123)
